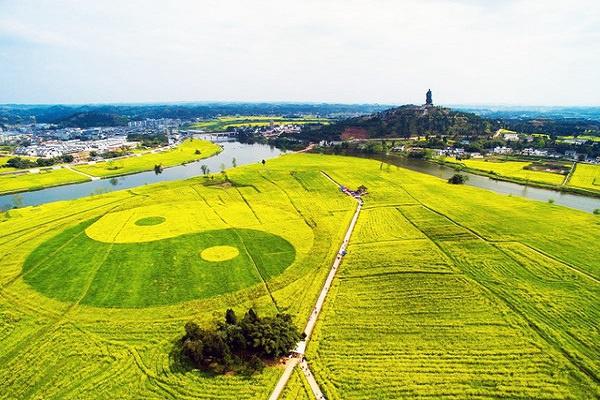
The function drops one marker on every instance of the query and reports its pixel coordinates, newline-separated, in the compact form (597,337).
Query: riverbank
(187,151)
(520,181)
(184,153)
(229,150)
(579,200)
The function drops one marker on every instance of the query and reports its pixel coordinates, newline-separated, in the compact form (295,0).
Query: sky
(510,52)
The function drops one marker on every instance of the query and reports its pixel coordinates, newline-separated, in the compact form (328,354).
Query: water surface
(243,153)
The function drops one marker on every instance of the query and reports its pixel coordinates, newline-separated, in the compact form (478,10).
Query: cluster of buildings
(54,148)
(270,131)
(503,150)
(161,123)
(49,140)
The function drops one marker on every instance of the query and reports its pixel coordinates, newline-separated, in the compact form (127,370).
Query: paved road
(312,320)
(287,373)
(314,386)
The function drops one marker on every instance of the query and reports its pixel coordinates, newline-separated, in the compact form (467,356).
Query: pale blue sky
(531,52)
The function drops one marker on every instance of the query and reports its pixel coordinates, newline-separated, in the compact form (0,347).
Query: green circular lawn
(71,267)
(147,221)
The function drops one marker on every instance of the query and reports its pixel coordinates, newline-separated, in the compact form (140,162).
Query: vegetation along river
(252,153)
(243,153)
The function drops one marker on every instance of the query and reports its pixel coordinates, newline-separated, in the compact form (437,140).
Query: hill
(405,121)
(20,113)
(92,119)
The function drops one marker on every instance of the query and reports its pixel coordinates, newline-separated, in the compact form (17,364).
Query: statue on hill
(428,100)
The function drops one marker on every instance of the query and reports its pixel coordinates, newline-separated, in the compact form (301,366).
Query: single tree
(458,179)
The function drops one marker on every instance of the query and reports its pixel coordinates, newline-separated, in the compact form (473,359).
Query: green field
(510,169)
(224,123)
(586,176)
(183,153)
(45,178)
(446,291)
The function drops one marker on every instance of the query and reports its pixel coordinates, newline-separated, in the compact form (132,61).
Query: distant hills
(92,119)
(429,120)
(72,114)
(405,121)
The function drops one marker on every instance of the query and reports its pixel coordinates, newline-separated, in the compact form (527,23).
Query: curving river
(253,153)
(580,202)
(243,153)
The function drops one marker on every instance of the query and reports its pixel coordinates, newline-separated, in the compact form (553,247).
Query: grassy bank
(23,182)
(522,181)
(188,151)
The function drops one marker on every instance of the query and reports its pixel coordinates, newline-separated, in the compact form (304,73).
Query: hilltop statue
(428,100)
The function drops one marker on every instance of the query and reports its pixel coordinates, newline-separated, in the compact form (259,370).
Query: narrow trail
(569,175)
(92,177)
(312,320)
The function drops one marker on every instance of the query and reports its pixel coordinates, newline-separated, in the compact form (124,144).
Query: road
(312,319)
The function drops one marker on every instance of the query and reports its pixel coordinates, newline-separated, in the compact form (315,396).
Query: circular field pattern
(72,267)
(219,253)
(149,221)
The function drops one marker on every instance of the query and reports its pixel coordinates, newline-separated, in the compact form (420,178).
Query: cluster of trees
(111,153)
(23,163)
(554,126)
(149,140)
(240,345)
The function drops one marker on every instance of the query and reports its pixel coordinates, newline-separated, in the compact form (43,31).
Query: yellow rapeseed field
(446,290)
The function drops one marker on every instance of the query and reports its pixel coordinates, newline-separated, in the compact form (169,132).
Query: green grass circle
(72,267)
(149,221)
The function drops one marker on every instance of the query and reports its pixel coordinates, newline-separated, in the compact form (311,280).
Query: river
(253,153)
(584,203)
(243,153)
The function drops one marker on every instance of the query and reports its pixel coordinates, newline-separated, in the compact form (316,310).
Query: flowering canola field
(446,290)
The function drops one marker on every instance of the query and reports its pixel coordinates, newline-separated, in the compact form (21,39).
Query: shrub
(458,179)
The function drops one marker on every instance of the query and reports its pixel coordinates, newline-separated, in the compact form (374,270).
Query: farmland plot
(446,291)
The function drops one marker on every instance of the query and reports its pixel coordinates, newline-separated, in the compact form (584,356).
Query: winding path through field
(312,320)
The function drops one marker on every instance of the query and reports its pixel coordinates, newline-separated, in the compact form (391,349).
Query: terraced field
(446,291)
(586,176)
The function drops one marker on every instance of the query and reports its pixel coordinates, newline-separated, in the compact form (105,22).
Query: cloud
(467,51)
(19,31)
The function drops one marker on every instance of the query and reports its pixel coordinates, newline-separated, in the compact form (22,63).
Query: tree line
(24,163)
